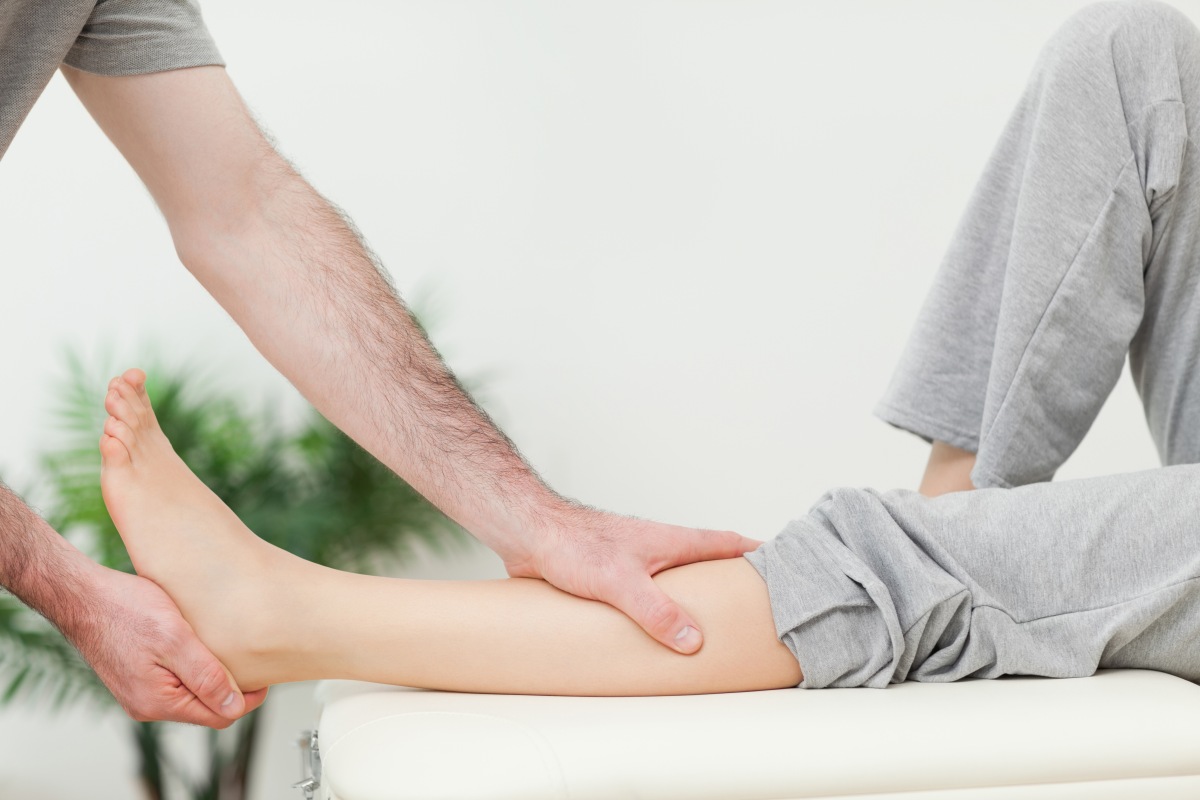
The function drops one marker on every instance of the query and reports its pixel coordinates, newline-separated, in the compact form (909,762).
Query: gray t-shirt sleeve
(132,37)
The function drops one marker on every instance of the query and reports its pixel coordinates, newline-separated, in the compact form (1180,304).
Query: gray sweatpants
(1077,247)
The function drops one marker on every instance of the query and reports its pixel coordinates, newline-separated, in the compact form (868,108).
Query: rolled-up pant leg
(1079,244)
(1052,579)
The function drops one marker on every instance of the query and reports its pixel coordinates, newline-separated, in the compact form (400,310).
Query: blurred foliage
(308,489)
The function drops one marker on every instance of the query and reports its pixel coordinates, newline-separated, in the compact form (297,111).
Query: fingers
(254,699)
(714,545)
(206,678)
(617,569)
(656,613)
(182,707)
(688,546)
(175,702)
(173,693)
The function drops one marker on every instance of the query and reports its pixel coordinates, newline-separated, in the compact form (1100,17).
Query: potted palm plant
(306,488)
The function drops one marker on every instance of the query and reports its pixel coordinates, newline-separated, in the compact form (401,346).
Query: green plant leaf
(309,489)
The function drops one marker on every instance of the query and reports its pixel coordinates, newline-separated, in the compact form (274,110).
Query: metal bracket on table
(310,765)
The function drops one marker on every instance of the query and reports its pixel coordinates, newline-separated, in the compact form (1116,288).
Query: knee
(1136,52)
(1124,29)
(1125,16)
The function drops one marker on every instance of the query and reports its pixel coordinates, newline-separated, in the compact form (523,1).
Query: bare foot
(180,535)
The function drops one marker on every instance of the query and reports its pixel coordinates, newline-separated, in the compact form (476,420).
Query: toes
(113,451)
(118,430)
(132,387)
(135,401)
(117,405)
(137,379)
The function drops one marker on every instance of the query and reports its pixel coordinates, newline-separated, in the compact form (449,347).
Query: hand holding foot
(183,537)
(151,660)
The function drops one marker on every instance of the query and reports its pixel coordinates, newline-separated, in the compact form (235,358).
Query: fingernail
(688,639)
(228,701)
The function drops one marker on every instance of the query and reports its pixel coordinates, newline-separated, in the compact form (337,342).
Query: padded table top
(1118,734)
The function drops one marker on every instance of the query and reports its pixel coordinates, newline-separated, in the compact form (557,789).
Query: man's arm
(292,271)
(125,626)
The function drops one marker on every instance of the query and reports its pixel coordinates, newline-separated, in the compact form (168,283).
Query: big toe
(135,378)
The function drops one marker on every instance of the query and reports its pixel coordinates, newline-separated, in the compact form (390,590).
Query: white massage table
(1125,734)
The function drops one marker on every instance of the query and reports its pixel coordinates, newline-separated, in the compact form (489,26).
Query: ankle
(261,624)
(948,470)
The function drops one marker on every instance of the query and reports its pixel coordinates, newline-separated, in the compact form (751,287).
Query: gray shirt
(107,37)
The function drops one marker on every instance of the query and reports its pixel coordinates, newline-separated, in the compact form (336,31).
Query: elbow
(219,227)
(208,239)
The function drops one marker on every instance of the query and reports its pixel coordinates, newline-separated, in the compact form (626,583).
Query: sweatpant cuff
(925,427)
(837,632)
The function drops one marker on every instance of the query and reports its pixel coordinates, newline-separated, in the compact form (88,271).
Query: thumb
(657,614)
(206,678)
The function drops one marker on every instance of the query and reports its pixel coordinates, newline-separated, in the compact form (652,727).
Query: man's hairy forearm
(39,566)
(297,277)
(287,266)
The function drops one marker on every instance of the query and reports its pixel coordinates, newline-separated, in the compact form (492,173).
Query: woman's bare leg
(948,470)
(272,617)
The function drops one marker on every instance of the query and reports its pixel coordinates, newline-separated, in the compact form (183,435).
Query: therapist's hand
(611,558)
(149,657)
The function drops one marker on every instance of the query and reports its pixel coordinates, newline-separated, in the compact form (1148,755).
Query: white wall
(683,241)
